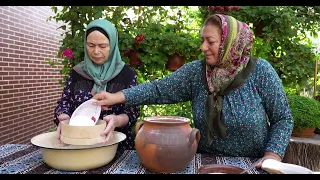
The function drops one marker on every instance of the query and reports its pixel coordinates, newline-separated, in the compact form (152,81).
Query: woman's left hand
(269,155)
(111,121)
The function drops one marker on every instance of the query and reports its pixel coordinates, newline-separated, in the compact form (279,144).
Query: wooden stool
(304,152)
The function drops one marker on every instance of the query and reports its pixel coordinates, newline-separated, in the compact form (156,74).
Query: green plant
(182,44)
(305,111)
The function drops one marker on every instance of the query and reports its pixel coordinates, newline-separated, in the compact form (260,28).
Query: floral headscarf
(234,52)
(233,68)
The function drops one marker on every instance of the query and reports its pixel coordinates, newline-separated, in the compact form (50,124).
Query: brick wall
(29,88)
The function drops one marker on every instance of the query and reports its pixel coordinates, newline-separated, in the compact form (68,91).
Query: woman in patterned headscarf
(101,70)
(238,102)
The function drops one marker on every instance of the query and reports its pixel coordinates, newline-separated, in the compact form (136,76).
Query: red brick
(9,14)
(12,28)
(20,35)
(14,38)
(3,26)
(13,55)
(19,43)
(7,41)
(4,45)
(7,50)
(28,41)
(25,73)
(8,68)
(3,35)
(18,52)
(14,91)
(24,48)
(7,32)
(8,78)
(7,96)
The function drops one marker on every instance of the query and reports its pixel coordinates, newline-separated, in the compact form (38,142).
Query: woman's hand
(106,99)
(269,155)
(113,121)
(61,117)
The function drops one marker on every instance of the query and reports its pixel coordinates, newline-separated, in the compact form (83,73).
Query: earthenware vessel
(219,169)
(166,144)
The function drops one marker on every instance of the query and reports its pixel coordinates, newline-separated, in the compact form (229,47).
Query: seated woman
(101,70)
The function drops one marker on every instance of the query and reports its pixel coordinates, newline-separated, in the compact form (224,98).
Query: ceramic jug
(166,144)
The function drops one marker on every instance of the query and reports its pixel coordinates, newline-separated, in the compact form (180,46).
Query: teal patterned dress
(257,115)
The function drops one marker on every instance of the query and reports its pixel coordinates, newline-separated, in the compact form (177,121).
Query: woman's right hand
(61,117)
(106,99)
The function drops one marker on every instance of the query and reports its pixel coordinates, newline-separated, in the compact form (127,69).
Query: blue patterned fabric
(247,111)
(27,159)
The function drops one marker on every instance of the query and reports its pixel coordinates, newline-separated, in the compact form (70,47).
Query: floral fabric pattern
(235,49)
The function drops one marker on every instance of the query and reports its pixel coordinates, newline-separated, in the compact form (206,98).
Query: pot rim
(157,119)
(210,168)
(51,136)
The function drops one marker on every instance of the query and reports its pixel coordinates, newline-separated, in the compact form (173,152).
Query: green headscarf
(101,74)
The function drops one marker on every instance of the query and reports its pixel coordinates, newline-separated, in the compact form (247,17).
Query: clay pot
(175,61)
(258,31)
(135,61)
(303,133)
(219,169)
(166,144)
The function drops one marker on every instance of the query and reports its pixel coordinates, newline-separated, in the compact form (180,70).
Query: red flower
(138,39)
(67,53)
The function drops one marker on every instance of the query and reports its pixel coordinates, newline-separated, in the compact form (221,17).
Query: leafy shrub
(305,111)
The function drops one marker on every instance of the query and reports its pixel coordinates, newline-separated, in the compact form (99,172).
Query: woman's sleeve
(277,108)
(173,88)
(65,102)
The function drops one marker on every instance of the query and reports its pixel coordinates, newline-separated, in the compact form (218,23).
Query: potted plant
(150,48)
(180,48)
(127,42)
(306,115)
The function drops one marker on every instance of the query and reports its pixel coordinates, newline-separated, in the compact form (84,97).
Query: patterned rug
(27,159)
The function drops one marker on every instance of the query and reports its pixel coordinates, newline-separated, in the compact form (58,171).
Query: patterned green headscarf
(101,74)
(233,68)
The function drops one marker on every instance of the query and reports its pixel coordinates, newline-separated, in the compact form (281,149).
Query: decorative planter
(135,61)
(303,133)
(222,9)
(175,61)
(258,30)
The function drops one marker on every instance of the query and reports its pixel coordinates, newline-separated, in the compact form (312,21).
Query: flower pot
(258,31)
(175,62)
(303,132)
(135,61)
(317,131)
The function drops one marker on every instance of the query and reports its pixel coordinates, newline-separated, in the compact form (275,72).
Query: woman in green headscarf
(101,70)
(238,102)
